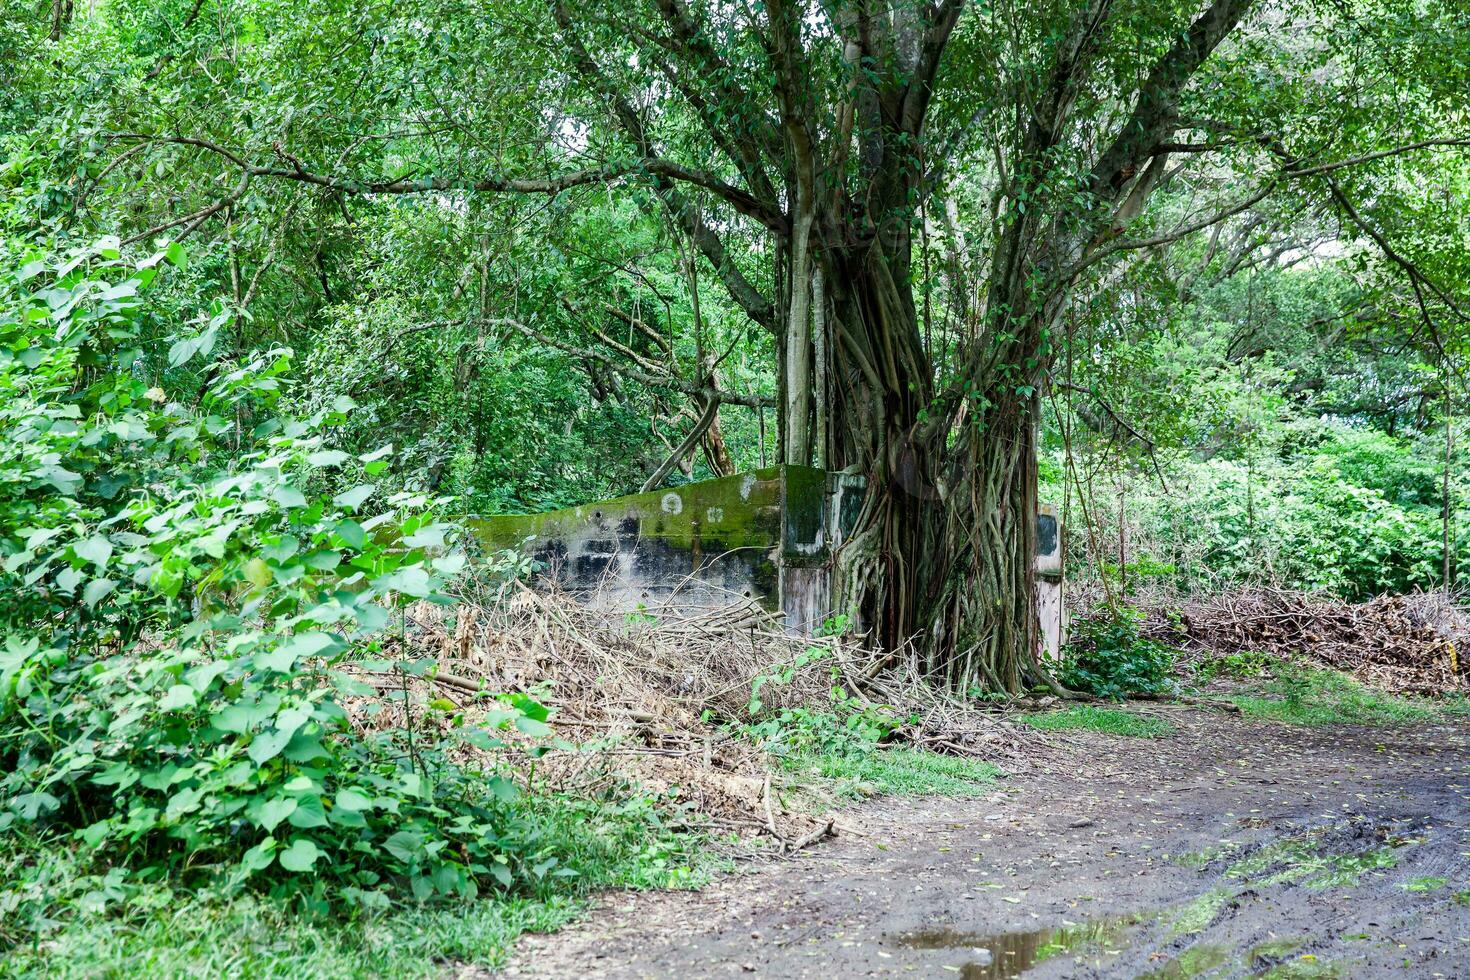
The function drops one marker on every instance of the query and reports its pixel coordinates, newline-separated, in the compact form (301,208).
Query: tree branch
(741,200)
(1155,114)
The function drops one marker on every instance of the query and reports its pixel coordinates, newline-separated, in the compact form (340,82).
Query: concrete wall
(766,537)
(761,537)
(1049,610)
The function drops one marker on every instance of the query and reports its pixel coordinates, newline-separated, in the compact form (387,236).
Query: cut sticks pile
(647,697)
(1414,643)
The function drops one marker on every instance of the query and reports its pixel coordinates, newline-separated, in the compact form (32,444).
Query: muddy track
(1231,849)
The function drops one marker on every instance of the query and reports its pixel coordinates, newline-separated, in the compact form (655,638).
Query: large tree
(905,194)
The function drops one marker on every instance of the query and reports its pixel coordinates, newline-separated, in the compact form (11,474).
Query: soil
(1232,848)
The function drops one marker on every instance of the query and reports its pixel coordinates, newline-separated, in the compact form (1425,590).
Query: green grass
(1301,860)
(1111,721)
(900,772)
(1425,883)
(58,920)
(1326,697)
(258,937)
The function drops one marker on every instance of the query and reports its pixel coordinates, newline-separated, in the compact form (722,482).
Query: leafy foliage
(181,610)
(1108,656)
(853,726)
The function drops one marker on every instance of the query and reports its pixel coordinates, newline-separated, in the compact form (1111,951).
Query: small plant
(852,725)
(1109,657)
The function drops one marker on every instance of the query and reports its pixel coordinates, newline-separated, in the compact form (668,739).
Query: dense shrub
(1108,656)
(179,607)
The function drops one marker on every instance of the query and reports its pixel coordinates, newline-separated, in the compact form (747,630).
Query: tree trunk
(940,561)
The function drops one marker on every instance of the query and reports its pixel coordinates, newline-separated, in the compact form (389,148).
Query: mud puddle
(1003,955)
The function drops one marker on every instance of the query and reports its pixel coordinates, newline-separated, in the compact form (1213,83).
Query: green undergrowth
(843,749)
(1304,696)
(1111,721)
(56,920)
(898,772)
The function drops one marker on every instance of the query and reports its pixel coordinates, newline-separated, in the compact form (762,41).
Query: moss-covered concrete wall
(708,543)
(765,537)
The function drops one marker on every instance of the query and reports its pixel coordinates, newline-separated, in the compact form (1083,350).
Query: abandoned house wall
(764,537)
(705,544)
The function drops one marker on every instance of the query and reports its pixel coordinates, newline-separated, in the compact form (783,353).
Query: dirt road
(1233,848)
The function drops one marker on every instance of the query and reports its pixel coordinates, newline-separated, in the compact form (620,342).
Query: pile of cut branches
(1414,643)
(650,697)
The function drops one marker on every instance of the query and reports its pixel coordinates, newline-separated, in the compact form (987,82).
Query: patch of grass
(1111,721)
(1455,706)
(1196,961)
(1200,859)
(1196,915)
(1299,860)
(901,772)
(1305,967)
(1461,898)
(1326,697)
(56,922)
(258,937)
(1425,883)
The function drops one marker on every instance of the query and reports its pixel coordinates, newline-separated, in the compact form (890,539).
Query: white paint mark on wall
(714,515)
(672,503)
(747,485)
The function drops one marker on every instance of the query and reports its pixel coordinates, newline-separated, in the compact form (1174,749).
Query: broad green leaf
(354,498)
(259,857)
(301,855)
(351,800)
(351,533)
(97,590)
(267,745)
(96,549)
(178,697)
(411,581)
(274,811)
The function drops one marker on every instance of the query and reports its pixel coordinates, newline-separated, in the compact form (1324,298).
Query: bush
(1107,656)
(179,609)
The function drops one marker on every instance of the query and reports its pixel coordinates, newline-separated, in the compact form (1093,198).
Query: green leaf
(327,457)
(354,498)
(178,697)
(274,811)
(351,800)
(411,581)
(351,533)
(288,496)
(97,590)
(378,453)
(96,549)
(267,745)
(67,579)
(301,855)
(259,857)
(532,726)
(283,657)
(405,845)
(431,536)
(310,812)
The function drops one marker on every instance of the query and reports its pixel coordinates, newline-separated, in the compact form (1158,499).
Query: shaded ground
(1233,848)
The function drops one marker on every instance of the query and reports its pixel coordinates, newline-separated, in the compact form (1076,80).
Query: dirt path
(1230,849)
